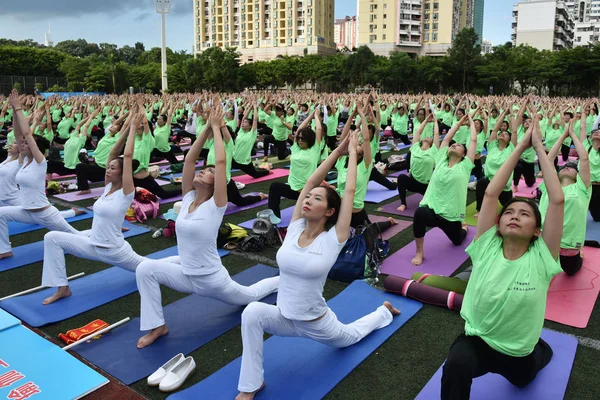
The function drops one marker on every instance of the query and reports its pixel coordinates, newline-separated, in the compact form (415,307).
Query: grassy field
(397,370)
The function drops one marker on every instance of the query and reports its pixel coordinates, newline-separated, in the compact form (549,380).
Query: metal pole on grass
(163,7)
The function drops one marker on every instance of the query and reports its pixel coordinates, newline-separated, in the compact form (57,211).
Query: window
(384,26)
(435,36)
(435,16)
(427,36)
(426,16)
(436,6)
(384,36)
(435,26)
(384,16)
(426,26)
(384,6)
(427,6)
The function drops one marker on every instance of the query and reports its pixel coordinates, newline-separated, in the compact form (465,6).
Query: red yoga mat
(275,173)
(571,299)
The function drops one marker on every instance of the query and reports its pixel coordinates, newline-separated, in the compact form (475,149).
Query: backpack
(230,233)
(377,250)
(397,162)
(144,205)
(263,234)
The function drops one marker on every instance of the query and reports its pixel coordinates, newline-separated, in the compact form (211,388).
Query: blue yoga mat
(193,321)
(592,229)
(7,320)
(34,252)
(16,228)
(298,368)
(286,217)
(550,383)
(377,193)
(89,292)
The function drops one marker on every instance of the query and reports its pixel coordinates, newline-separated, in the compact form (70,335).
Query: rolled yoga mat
(34,252)
(193,321)
(549,384)
(441,282)
(377,193)
(423,293)
(298,368)
(571,299)
(441,256)
(16,228)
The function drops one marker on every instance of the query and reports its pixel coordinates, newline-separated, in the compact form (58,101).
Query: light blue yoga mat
(298,368)
(592,230)
(377,193)
(7,320)
(16,228)
(34,252)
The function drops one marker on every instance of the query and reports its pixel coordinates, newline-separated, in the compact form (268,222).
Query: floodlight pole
(163,7)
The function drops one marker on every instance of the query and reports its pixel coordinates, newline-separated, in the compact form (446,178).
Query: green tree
(464,55)
(78,48)
(360,64)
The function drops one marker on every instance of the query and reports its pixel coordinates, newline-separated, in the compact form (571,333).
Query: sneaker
(239,185)
(72,186)
(472,185)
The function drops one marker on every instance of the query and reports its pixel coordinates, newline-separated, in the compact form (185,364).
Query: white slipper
(159,374)
(175,377)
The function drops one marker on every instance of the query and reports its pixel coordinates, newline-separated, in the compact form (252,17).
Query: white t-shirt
(109,213)
(32,185)
(9,191)
(303,272)
(197,236)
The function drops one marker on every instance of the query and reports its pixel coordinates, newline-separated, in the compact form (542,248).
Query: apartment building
(586,14)
(487,47)
(263,30)
(344,32)
(543,24)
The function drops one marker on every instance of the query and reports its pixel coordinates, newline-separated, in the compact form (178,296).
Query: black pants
(425,216)
(150,184)
(377,177)
(331,141)
(564,151)
(361,218)
(470,357)
(234,196)
(249,169)
(478,168)
(403,138)
(58,168)
(87,173)
(202,156)
(571,264)
(527,170)
(169,156)
(280,146)
(595,203)
(181,134)
(277,190)
(410,184)
(482,185)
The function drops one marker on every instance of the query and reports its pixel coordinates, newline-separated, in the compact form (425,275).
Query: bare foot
(476,215)
(82,192)
(393,221)
(417,260)
(465,226)
(515,189)
(61,293)
(154,334)
(263,196)
(123,229)
(249,396)
(6,255)
(265,159)
(402,207)
(78,211)
(390,307)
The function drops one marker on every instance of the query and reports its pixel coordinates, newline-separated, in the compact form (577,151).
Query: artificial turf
(397,370)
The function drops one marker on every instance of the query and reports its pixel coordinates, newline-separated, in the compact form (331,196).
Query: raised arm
(417,136)
(556,148)
(189,165)
(584,160)
(452,132)
(342,226)
(220,185)
(20,121)
(319,128)
(128,185)
(471,150)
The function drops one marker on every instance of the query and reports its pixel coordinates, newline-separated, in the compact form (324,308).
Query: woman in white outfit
(198,268)
(105,241)
(34,207)
(308,253)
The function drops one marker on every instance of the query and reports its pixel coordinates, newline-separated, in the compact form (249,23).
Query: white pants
(70,213)
(49,218)
(57,243)
(150,274)
(259,318)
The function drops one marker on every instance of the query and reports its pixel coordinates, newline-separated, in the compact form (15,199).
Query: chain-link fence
(27,84)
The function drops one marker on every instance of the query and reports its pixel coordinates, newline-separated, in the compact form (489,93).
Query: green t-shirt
(302,165)
(280,132)
(422,162)
(480,142)
(64,127)
(103,149)
(144,144)
(244,142)
(577,201)
(400,123)
(594,157)
(72,147)
(505,301)
(362,180)
(385,116)
(10,138)
(589,124)
(494,160)
(49,135)
(161,138)
(462,135)
(56,114)
(233,124)
(552,136)
(447,117)
(529,154)
(446,194)
(427,131)
(332,123)
(212,157)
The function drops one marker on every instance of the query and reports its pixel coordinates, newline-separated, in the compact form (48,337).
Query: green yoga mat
(471,210)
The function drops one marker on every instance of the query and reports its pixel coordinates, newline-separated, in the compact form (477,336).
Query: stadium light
(163,7)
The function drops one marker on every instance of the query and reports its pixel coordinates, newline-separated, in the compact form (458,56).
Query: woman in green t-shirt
(592,147)
(279,137)
(577,188)
(505,301)
(162,134)
(444,204)
(480,128)
(244,143)
(422,162)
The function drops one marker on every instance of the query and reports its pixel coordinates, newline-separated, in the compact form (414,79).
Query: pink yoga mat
(571,299)
(412,204)
(394,230)
(95,192)
(441,256)
(275,173)
(561,162)
(525,191)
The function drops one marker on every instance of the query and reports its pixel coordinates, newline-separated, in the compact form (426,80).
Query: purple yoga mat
(286,217)
(549,384)
(412,204)
(395,229)
(441,256)
(275,173)
(377,193)
(96,192)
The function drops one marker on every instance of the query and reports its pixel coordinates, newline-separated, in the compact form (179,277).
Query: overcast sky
(128,21)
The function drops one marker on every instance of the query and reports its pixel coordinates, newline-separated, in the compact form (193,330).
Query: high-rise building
(442,20)
(48,38)
(478,11)
(487,47)
(543,24)
(586,14)
(344,33)
(263,30)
